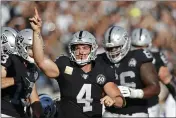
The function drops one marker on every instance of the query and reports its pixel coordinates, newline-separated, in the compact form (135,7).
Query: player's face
(82,51)
(114,51)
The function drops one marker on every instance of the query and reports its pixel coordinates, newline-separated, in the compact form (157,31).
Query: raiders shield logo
(101,79)
(132,62)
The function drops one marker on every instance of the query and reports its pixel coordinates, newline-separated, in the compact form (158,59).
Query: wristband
(137,93)
(172,87)
(124,101)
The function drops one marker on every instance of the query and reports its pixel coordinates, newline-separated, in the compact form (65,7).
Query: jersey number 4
(85,90)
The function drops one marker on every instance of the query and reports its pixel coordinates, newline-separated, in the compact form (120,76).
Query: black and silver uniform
(81,92)
(128,74)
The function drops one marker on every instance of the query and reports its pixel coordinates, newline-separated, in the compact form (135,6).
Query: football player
(81,79)
(141,39)
(17,81)
(135,74)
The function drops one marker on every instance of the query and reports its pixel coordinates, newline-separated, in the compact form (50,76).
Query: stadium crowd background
(62,18)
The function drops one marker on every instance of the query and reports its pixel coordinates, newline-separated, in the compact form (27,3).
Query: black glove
(32,69)
(28,83)
(32,76)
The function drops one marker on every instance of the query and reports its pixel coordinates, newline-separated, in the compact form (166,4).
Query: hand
(36,21)
(33,71)
(107,101)
(164,75)
(125,91)
(130,92)
(27,87)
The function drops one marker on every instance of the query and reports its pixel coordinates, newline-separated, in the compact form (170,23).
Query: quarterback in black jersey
(17,78)
(82,80)
(135,74)
(141,39)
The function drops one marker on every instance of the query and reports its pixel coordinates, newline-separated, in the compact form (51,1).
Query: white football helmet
(83,37)
(8,40)
(141,37)
(116,43)
(24,41)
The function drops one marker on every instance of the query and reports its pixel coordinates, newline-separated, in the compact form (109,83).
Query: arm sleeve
(163,58)
(144,56)
(60,62)
(172,87)
(110,74)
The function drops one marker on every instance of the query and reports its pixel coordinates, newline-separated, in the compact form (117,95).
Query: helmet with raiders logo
(24,41)
(116,43)
(83,37)
(141,37)
(8,40)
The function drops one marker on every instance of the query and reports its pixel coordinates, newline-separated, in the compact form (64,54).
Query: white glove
(125,91)
(130,92)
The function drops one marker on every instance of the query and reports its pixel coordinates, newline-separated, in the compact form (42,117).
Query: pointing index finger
(37,14)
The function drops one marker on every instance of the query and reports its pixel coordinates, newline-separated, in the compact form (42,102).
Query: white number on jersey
(147,54)
(163,58)
(154,61)
(4,58)
(85,90)
(130,74)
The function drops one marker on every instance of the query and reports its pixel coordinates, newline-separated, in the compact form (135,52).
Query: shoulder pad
(60,56)
(144,55)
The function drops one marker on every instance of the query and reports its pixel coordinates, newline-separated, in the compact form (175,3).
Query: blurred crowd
(63,18)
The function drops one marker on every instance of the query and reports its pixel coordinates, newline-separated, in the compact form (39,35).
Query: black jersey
(81,92)
(128,74)
(10,98)
(10,104)
(159,60)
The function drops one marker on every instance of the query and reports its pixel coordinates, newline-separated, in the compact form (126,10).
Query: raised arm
(45,64)
(150,79)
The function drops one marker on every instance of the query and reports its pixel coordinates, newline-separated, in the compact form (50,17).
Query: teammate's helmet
(8,40)
(48,105)
(116,43)
(141,37)
(83,37)
(24,40)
